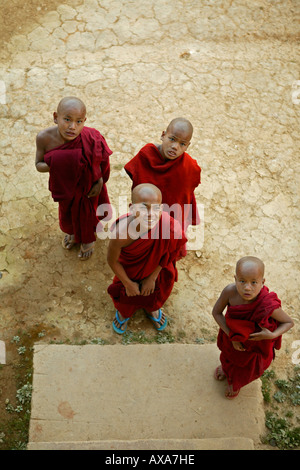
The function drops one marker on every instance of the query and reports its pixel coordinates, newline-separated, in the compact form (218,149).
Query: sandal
(158,320)
(68,242)
(121,322)
(231,394)
(219,374)
(82,252)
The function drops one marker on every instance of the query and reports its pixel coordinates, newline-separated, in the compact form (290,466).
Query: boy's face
(249,281)
(70,121)
(147,209)
(175,141)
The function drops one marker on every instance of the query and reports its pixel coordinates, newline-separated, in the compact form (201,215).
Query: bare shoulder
(224,299)
(229,291)
(45,136)
(120,232)
(47,133)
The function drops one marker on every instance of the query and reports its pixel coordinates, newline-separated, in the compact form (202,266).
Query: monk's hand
(96,188)
(132,289)
(264,333)
(238,346)
(147,285)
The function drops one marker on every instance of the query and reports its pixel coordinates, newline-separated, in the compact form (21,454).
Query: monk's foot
(159,319)
(68,242)
(230,393)
(219,373)
(86,251)
(120,323)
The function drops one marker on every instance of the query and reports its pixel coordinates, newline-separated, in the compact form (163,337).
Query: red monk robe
(177,179)
(74,167)
(158,247)
(242,367)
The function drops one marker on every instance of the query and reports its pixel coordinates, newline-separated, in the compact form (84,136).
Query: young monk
(142,255)
(77,158)
(172,170)
(252,327)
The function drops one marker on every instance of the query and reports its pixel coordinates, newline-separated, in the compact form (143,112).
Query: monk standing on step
(142,253)
(252,327)
(77,158)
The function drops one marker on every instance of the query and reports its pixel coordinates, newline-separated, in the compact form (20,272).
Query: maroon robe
(74,167)
(242,367)
(177,179)
(158,247)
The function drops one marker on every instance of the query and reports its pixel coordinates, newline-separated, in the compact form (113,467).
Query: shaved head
(181,124)
(146,192)
(250,262)
(71,101)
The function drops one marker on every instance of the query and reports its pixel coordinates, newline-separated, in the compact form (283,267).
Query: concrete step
(92,394)
(230,443)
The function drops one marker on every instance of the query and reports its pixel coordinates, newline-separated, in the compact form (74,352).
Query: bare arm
(40,164)
(219,307)
(148,284)
(285,321)
(114,249)
(113,253)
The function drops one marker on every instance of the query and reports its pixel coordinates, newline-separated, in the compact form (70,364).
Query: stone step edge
(221,443)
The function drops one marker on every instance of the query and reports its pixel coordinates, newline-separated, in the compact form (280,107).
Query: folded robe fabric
(177,179)
(141,258)
(242,367)
(74,167)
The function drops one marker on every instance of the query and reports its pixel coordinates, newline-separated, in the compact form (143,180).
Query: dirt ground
(232,68)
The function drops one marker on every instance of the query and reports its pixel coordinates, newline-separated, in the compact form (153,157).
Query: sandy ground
(232,68)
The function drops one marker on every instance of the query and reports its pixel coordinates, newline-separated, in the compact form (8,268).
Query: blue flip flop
(118,330)
(162,327)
